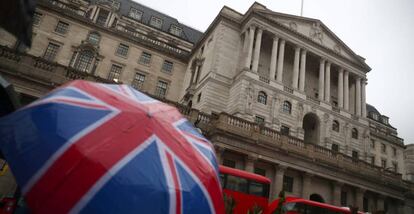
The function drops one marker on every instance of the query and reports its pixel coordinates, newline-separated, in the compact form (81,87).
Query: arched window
(84,61)
(94,38)
(354,133)
(262,97)
(335,126)
(287,107)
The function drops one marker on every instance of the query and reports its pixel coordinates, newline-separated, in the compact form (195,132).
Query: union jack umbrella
(99,148)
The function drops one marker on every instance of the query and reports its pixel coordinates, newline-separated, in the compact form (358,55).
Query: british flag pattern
(100,148)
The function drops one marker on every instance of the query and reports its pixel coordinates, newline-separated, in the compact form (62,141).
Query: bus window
(307,209)
(257,189)
(236,184)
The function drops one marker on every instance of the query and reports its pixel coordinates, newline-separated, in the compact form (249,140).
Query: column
(306,185)
(249,167)
(359,198)
(321,91)
(302,71)
(96,14)
(295,78)
(363,99)
(245,46)
(336,193)
(358,96)
(328,82)
(257,50)
(280,59)
(273,58)
(380,203)
(219,154)
(346,90)
(278,180)
(250,47)
(196,73)
(341,88)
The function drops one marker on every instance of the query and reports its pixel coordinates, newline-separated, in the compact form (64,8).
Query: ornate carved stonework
(293,26)
(337,49)
(316,33)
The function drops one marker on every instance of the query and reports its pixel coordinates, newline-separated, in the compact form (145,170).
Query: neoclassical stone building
(278,95)
(294,98)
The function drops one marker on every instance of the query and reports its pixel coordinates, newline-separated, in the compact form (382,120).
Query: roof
(371,108)
(188,33)
(243,174)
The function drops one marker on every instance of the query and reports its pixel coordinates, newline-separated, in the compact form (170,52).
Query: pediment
(316,31)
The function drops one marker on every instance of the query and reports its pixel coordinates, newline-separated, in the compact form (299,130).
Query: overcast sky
(382,31)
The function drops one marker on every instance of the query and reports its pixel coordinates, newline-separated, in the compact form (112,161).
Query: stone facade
(278,95)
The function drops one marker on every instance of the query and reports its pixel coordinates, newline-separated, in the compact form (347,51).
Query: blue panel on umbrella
(188,127)
(194,201)
(139,187)
(208,154)
(31,136)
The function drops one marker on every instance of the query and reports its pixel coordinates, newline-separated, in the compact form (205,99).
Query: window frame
(58,27)
(285,130)
(37,16)
(335,126)
(259,119)
(122,50)
(354,133)
(54,53)
(92,41)
(144,59)
(287,107)
(167,64)
(159,88)
(138,83)
(153,23)
(138,12)
(288,186)
(262,97)
(81,56)
(112,73)
(178,30)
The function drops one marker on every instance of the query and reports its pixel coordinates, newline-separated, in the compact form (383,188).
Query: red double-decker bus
(247,189)
(294,205)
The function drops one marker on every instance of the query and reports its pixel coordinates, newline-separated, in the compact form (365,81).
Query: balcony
(288,89)
(39,70)
(225,123)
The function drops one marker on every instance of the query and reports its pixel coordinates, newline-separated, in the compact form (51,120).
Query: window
(395,166)
(375,116)
(383,148)
(84,60)
(122,50)
(156,22)
(36,18)
(161,89)
(199,97)
(354,133)
(138,81)
(344,199)
(174,29)
(135,14)
(115,73)
(384,120)
(94,38)
(335,126)
(373,143)
(102,17)
(373,160)
(167,66)
(288,183)
(229,163)
(145,58)
(383,163)
(259,120)
(355,154)
(62,27)
(51,51)
(394,151)
(236,183)
(262,97)
(284,130)
(287,107)
(335,147)
(259,171)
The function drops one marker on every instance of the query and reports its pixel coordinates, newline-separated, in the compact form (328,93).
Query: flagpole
(301,9)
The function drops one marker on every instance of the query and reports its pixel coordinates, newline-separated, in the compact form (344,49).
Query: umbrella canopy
(99,148)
